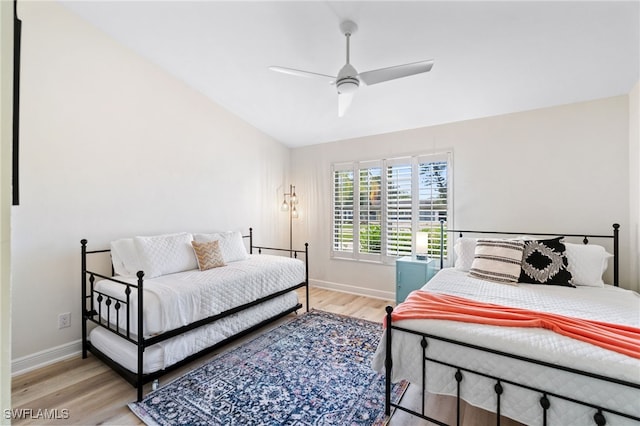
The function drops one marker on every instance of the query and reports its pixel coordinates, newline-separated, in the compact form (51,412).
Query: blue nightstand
(412,274)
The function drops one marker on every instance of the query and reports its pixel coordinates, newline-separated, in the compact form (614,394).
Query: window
(343,210)
(391,201)
(370,210)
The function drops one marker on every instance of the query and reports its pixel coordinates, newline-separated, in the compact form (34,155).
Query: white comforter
(175,300)
(609,304)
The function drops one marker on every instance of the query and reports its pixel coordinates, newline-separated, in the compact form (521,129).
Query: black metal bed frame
(599,410)
(138,379)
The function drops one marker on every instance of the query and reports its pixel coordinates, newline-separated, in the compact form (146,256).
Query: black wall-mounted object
(17,38)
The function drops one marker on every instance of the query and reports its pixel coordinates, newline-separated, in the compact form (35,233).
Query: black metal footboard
(294,254)
(115,306)
(546,396)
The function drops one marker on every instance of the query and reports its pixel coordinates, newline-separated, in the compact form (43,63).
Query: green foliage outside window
(370,240)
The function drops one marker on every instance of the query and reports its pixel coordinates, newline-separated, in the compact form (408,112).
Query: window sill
(369,261)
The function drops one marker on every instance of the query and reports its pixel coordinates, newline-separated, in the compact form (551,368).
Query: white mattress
(164,354)
(609,304)
(175,300)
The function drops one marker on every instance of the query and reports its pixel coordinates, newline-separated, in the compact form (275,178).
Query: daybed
(201,291)
(532,375)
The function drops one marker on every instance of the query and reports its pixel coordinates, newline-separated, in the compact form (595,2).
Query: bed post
(250,240)
(306,271)
(616,237)
(83,310)
(387,364)
(140,383)
(441,243)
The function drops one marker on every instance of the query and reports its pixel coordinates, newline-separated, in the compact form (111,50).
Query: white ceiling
(490,57)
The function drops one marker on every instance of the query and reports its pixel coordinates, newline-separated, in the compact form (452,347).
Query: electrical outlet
(64,320)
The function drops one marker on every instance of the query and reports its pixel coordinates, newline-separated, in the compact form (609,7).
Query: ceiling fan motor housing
(347,82)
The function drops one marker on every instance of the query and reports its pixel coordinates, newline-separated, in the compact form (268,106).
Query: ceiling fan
(348,79)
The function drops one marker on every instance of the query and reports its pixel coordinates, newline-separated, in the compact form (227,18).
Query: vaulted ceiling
(490,57)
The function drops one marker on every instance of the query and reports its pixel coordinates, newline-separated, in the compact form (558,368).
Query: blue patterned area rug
(312,370)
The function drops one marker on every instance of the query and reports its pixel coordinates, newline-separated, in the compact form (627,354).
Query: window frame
(355,168)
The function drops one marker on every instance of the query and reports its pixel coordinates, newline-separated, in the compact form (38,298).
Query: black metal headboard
(585,240)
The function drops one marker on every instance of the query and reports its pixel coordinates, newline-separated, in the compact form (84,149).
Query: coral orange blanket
(424,305)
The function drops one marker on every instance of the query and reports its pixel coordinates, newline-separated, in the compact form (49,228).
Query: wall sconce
(422,245)
(289,204)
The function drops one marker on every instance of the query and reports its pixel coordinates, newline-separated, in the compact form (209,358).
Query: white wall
(112,146)
(634,181)
(6,132)
(563,169)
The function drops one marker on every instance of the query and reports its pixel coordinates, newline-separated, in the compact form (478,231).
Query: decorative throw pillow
(208,254)
(545,262)
(497,260)
(587,264)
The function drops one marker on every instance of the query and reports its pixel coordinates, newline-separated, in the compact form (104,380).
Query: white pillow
(587,263)
(204,238)
(124,257)
(465,251)
(166,254)
(231,244)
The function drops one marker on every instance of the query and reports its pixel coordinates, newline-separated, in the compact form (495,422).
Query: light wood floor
(87,392)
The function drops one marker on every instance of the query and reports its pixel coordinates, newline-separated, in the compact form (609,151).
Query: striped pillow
(208,254)
(497,260)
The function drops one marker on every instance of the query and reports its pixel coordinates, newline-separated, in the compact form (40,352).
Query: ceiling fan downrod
(347,81)
(348,28)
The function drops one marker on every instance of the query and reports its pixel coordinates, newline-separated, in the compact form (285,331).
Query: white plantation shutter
(370,208)
(379,206)
(399,208)
(343,209)
(433,197)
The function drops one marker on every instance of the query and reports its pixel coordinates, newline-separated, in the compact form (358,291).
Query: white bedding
(164,354)
(175,300)
(609,304)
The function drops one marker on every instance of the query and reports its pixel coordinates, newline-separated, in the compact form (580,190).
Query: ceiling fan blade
(344,100)
(301,73)
(398,71)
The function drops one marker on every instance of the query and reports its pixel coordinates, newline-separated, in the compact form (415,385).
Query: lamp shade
(422,245)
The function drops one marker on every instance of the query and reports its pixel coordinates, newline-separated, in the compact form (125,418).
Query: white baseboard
(359,291)
(43,358)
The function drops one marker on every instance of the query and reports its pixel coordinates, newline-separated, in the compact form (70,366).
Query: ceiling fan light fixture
(348,85)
